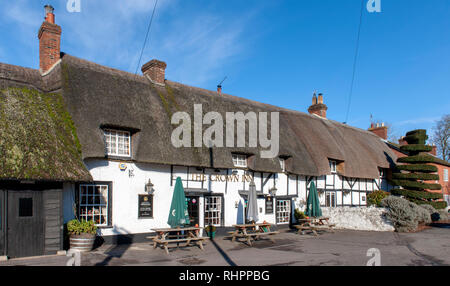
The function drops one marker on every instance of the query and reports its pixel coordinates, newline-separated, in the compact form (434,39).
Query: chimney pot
(320,99)
(318,107)
(155,70)
(49,16)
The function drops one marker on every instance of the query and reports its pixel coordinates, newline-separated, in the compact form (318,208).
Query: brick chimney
(155,70)
(379,129)
(318,107)
(219,89)
(49,41)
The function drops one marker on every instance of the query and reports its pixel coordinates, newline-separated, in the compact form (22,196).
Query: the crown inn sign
(221,178)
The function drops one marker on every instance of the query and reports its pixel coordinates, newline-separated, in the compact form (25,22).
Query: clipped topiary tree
(410,176)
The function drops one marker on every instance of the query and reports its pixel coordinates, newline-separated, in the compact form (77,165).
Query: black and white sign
(145,206)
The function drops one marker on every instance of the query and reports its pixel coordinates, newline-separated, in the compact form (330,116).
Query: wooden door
(25,236)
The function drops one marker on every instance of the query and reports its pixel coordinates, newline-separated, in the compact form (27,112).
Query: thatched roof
(38,140)
(99,96)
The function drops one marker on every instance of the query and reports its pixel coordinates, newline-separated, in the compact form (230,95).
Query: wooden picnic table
(314,225)
(252,232)
(164,236)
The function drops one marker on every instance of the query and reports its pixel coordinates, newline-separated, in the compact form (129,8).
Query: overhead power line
(146,37)
(354,62)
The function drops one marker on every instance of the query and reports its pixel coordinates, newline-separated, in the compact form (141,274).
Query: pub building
(107,154)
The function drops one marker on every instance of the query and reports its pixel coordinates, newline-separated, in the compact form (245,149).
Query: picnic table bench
(314,225)
(252,232)
(187,234)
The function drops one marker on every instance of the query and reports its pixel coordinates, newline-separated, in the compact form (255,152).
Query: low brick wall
(359,218)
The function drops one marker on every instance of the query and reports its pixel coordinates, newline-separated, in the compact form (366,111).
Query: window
(240,160)
(282,164)
(213,210)
(283,211)
(333,166)
(94,203)
(445,175)
(330,199)
(25,207)
(382,173)
(117,142)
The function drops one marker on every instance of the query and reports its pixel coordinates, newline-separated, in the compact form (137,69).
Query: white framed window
(240,160)
(282,164)
(283,211)
(332,166)
(117,142)
(445,175)
(94,203)
(330,199)
(213,210)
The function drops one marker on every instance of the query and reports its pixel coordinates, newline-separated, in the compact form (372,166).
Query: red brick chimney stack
(318,107)
(49,41)
(379,129)
(155,70)
(219,89)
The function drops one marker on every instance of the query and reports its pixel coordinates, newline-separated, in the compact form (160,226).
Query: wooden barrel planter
(82,242)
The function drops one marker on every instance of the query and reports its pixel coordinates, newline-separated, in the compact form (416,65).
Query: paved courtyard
(428,247)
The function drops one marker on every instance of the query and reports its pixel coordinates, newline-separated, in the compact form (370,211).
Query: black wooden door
(2,223)
(25,234)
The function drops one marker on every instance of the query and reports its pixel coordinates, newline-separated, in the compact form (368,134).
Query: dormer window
(240,160)
(117,142)
(382,174)
(332,166)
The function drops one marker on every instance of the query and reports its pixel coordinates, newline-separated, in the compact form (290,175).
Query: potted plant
(210,231)
(82,234)
(298,214)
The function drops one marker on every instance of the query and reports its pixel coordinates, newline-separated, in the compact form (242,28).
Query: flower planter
(82,242)
(211,234)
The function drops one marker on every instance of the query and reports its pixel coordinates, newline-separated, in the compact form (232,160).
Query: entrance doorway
(25,216)
(193,209)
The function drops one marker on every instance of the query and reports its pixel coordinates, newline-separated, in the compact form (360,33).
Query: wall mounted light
(149,187)
(273,191)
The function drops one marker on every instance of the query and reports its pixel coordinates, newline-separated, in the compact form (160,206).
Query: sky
(276,52)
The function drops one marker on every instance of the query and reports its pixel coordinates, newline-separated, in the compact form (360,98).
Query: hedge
(416,185)
(416,148)
(417,159)
(416,137)
(417,194)
(418,168)
(375,197)
(439,205)
(415,176)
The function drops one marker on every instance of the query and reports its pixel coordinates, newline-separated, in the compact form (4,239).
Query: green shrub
(416,148)
(417,159)
(417,194)
(415,185)
(439,205)
(417,168)
(416,136)
(416,176)
(404,214)
(375,198)
(298,214)
(78,227)
(210,228)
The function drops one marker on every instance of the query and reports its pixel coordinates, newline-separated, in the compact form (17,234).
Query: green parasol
(313,204)
(178,215)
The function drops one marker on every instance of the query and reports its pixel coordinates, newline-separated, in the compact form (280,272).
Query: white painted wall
(128,184)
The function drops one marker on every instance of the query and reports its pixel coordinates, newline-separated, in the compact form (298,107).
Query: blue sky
(277,52)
